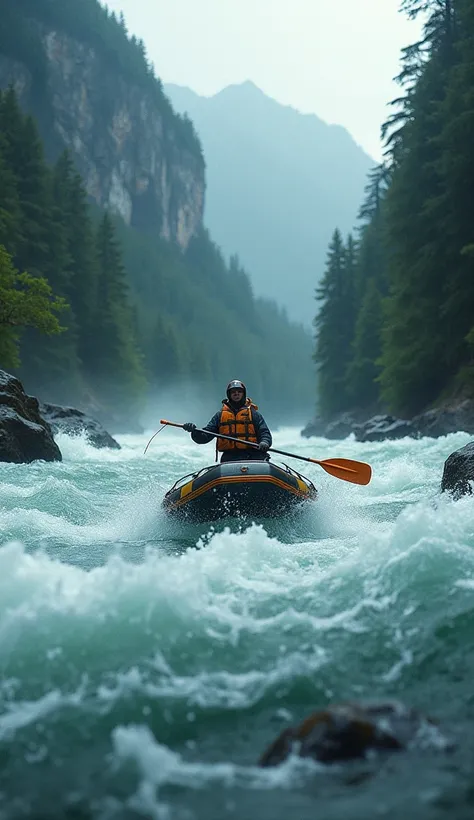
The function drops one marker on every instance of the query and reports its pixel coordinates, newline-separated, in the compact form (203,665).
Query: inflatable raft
(239,489)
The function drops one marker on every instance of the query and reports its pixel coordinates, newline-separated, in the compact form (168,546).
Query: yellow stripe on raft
(186,489)
(186,496)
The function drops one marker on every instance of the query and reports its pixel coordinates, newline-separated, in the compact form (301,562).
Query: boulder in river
(351,730)
(458,472)
(75,422)
(317,427)
(454,417)
(341,426)
(24,435)
(380,428)
(440,421)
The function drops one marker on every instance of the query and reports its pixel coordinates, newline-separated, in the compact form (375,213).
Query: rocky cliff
(135,155)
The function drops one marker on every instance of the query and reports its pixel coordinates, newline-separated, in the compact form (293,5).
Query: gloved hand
(263,446)
(189,427)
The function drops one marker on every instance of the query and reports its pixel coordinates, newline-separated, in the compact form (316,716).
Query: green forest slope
(142,315)
(402,291)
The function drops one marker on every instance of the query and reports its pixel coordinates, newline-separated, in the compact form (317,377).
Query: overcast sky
(333,58)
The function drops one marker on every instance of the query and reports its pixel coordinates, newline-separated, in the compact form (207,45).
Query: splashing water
(146,664)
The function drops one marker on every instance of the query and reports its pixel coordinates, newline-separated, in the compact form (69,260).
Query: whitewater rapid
(146,665)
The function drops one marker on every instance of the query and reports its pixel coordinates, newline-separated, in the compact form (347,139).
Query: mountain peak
(247,87)
(278,183)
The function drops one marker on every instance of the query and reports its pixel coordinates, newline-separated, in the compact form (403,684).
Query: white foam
(287,604)
(158,766)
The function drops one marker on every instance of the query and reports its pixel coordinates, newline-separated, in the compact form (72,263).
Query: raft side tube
(239,488)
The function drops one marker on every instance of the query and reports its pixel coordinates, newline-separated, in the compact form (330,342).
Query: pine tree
(23,154)
(52,365)
(10,212)
(456,198)
(25,301)
(80,285)
(118,366)
(334,328)
(166,353)
(413,365)
(364,368)
(372,253)
(371,283)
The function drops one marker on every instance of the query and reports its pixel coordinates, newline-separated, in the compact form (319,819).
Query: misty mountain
(278,183)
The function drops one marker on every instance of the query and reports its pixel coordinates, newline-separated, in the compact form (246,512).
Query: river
(146,666)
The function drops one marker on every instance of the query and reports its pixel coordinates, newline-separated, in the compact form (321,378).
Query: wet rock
(441,421)
(314,428)
(352,730)
(459,472)
(75,422)
(341,427)
(380,428)
(24,435)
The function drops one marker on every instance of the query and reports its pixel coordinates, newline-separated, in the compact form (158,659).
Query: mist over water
(146,665)
(189,400)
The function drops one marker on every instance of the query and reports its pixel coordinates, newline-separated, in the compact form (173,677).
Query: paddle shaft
(215,435)
(252,444)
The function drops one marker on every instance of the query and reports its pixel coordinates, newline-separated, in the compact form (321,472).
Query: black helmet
(235,384)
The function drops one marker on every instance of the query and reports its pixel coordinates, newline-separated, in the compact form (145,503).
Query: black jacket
(261,431)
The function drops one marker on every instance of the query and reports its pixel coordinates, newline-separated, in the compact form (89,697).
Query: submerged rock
(459,472)
(74,422)
(351,730)
(24,435)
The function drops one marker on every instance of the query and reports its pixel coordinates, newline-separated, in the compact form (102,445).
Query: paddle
(357,472)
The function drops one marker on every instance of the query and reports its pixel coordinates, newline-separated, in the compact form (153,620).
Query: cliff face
(130,153)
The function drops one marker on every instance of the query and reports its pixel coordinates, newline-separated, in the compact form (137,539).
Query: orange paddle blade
(357,472)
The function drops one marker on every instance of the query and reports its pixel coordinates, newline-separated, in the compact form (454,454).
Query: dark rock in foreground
(351,730)
(459,472)
(75,422)
(24,435)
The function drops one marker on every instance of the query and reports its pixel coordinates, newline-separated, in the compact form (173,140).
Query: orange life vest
(238,424)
